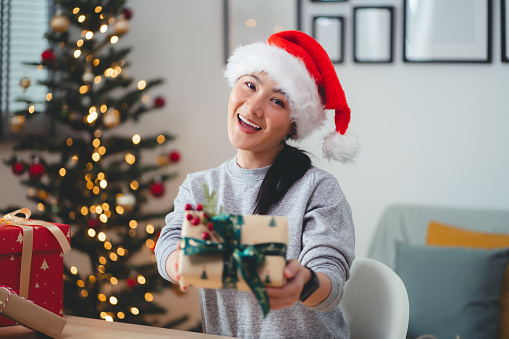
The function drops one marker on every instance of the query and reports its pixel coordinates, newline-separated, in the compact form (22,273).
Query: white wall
(431,133)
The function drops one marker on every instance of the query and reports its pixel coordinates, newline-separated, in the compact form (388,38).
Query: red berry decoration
(199,207)
(210,226)
(189,217)
(205,236)
(195,221)
(157,189)
(174,156)
(36,170)
(159,102)
(131,282)
(48,56)
(188,207)
(18,167)
(128,13)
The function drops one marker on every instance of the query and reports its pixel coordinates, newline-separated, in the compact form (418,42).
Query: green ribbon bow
(236,255)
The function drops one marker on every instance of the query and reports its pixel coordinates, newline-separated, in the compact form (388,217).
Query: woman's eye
(250,85)
(279,102)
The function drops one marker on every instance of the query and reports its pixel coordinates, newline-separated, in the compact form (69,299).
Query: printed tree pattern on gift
(84,172)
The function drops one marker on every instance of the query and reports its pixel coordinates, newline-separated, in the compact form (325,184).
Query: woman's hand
(172,267)
(296,277)
(285,296)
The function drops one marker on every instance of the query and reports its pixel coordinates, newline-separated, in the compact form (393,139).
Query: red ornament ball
(131,282)
(128,13)
(48,56)
(205,236)
(157,189)
(36,170)
(159,102)
(18,167)
(93,223)
(174,156)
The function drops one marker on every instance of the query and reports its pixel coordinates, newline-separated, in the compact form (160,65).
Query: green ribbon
(236,255)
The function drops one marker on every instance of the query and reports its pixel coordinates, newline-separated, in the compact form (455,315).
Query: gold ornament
(111,118)
(25,82)
(17,123)
(121,26)
(59,23)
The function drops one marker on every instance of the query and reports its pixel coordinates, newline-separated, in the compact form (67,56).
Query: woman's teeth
(247,122)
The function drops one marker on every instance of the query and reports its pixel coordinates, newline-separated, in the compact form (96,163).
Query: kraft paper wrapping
(206,270)
(29,314)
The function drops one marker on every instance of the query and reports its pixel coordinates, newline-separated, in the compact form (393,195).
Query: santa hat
(304,71)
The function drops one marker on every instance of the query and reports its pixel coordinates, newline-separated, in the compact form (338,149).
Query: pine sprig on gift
(209,206)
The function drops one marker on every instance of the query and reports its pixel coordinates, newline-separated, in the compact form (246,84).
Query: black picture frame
(329,31)
(373,34)
(232,28)
(504,5)
(440,31)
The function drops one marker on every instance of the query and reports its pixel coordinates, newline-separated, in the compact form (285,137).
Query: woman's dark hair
(289,166)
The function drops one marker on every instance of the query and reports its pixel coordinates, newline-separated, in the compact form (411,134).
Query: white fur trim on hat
(292,77)
(343,148)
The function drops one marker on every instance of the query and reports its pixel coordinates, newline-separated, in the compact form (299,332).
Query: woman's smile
(246,125)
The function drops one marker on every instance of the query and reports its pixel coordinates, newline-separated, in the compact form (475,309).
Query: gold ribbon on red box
(28,241)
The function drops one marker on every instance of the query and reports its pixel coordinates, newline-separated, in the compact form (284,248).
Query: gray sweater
(321,236)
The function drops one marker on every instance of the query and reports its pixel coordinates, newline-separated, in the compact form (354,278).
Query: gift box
(243,252)
(29,314)
(31,260)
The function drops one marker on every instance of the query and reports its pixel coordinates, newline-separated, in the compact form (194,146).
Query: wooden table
(85,328)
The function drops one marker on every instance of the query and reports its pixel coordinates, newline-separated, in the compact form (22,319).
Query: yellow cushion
(446,235)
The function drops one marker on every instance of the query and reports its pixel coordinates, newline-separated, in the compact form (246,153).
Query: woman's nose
(255,105)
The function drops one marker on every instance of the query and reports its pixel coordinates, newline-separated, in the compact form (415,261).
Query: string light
(69,142)
(81,18)
(150,229)
(80,283)
(96,142)
(91,232)
(89,35)
(98,9)
(79,43)
(101,236)
(135,311)
(119,209)
(62,172)
(141,279)
(136,139)
(114,39)
(113,280)
(31,109)
(102,260)
(76,10)
(130,159)
(113,256)
(133,224)
(161,139)
(121,251)
(40,207)
(101,297)
(84,210)
(103,218)
(74,270)
(150,243)
(120,315)
(84,293)
(109,318)
(142,84)
(83,89)
(251,23)
(113,300)
(149,297)
(134,185)
(107,245)
(103,28)
(49,96)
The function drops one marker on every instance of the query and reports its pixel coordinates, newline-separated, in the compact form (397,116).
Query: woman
(280,90)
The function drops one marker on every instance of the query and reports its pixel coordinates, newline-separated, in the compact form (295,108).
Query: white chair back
(375,301)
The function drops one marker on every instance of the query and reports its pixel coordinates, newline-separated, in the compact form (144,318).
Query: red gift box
(45,283)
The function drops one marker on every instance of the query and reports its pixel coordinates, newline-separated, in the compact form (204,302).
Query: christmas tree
(85,174)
